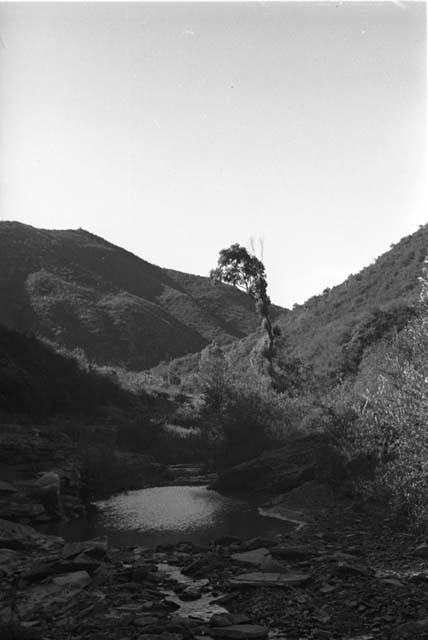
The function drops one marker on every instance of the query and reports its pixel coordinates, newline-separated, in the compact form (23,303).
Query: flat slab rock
(78,579)
(239,631)
(256,556)
(257,579)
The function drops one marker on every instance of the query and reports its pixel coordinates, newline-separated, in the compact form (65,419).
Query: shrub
(393,418)
(240,417)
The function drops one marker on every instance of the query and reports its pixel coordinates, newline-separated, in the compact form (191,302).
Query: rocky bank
(340,575)
(45,475)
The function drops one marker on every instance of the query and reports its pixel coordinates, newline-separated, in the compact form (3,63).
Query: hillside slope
(346,318)
(81,291)
(320,328)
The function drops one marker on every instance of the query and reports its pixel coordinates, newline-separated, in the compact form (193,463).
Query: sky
(177,129)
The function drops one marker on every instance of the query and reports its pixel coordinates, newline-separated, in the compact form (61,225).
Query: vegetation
(331,332)
(351,363)
(39,383)
(241,416)
(78,290)
(392,417)
(244,271)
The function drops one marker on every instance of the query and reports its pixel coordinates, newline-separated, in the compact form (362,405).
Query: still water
(148,517)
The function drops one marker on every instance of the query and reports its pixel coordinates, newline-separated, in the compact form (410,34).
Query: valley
(231,500)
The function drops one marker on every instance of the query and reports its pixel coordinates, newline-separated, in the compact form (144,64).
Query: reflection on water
(170,514)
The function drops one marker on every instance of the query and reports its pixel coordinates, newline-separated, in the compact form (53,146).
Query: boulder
(49,485)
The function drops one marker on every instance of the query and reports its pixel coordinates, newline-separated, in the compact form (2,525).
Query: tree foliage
(246,272)
(237,267)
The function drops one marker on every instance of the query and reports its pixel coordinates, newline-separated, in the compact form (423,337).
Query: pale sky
(176,129)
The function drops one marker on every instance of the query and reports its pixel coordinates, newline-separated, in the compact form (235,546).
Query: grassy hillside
(331,331)
(320,328)
(78,290)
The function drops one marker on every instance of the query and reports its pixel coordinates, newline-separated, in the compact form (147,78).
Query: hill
(80,291)
(38,384)
(332,330)
(363,307)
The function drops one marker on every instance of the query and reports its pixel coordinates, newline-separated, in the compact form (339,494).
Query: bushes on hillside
(38,383)
(240,417)
(391,425)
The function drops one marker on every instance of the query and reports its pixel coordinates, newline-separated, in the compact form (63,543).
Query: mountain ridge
(81,291)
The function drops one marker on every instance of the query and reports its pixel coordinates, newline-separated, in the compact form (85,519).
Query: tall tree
(236,266)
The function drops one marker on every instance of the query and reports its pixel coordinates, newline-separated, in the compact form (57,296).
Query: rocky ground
(44,477)
(338,574)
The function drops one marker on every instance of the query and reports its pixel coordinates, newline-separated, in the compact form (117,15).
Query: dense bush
(390,418)
(181,446)
(240,416)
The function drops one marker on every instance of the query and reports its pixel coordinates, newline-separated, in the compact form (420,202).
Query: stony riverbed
(343,575)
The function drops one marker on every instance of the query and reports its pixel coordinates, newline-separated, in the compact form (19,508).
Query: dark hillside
(80,291)
(38,384)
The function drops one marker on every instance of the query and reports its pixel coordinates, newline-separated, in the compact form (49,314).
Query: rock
(269,565)
(228,597)
(257,543)
(347,557)
(225,541)
(228,619)
(27,536)
(39,571)
(144,621)
(77,579)
(96,548)
(9,560)
(256,557)
(411,629)
(6,487)
(353,569)
(220,620)
(292,552)
(190,593)
(83,562)
(48,488)
(395,582)
(258,579)
(240,632)
(22,510)
(12,543)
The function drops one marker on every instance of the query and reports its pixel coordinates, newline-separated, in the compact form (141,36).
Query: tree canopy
(242,270)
